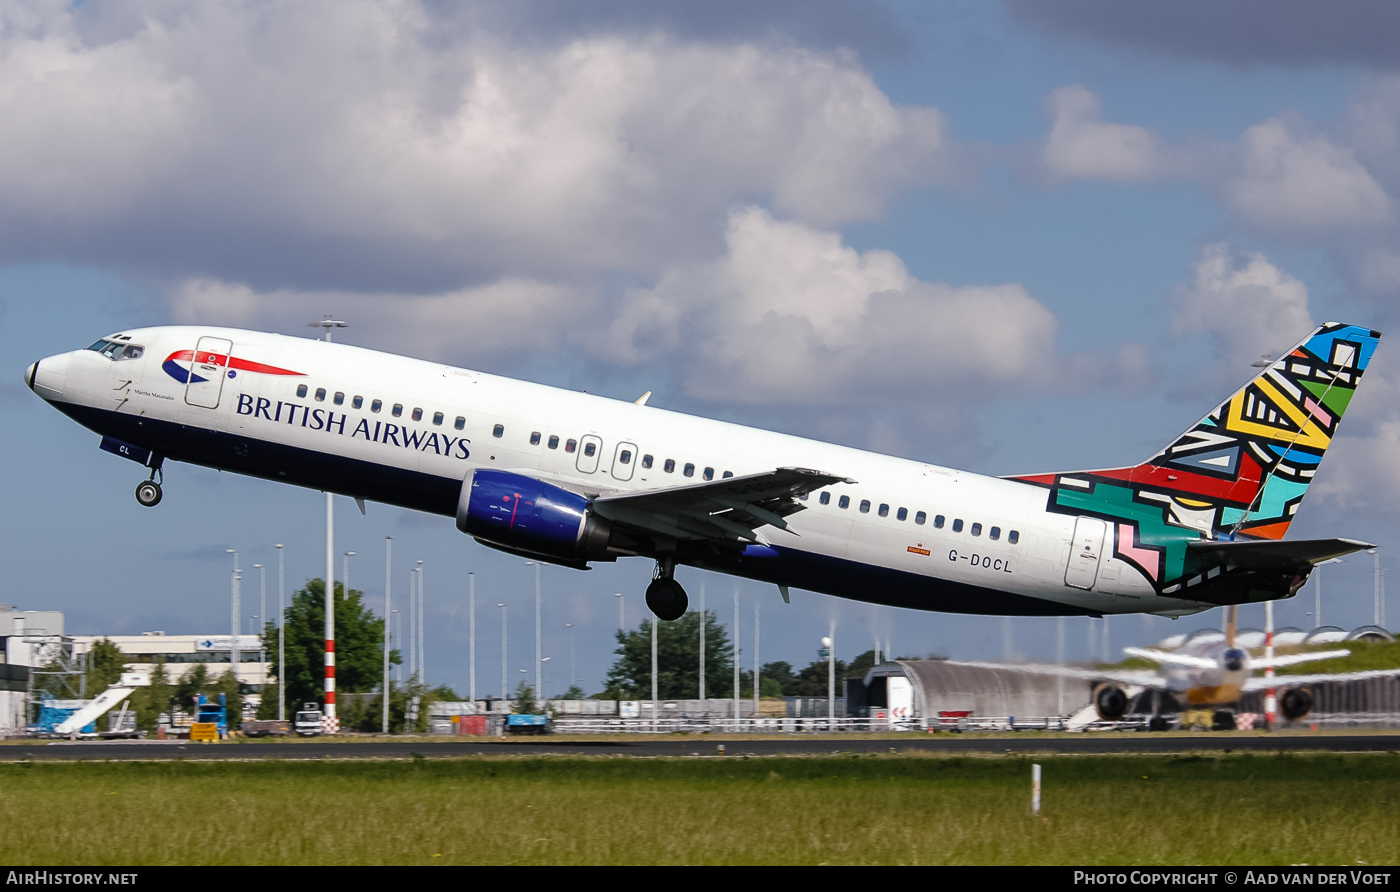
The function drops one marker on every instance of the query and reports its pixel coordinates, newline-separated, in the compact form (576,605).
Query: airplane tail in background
(1240,472)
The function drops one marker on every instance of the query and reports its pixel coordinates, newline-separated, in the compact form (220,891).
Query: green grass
(907,809)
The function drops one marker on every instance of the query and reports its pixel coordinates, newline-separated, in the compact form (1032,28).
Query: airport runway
(666,746)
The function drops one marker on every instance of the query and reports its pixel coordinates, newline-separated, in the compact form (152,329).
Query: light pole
(541,696)
(653,671)
(423,663)
(281,642)
(471,626)
(829,643)
(504,692)
(702,649)
(412,623)
(331,723)
(1379,612)
(1317,590)
(756,665)
(388,619)
(621,623)
(538,649)
(237,607)
(572,665)
(735,638)
(1270,701)
(262,605)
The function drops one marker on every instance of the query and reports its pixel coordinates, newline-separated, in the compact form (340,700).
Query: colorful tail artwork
(1239,474)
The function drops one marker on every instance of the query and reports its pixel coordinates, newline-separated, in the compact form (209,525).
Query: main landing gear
(665,597)
(148,492)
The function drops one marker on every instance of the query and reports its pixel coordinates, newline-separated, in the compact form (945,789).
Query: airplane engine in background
(1296,703)
(1110,702)
(525,516)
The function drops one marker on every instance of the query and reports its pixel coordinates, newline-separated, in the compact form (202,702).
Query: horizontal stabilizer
(1161,656)
(1280,554)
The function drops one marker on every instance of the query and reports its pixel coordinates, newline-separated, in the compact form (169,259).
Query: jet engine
(1296,703)
(526,516)
(1110,702)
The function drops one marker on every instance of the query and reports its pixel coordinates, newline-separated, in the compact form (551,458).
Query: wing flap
(731,508)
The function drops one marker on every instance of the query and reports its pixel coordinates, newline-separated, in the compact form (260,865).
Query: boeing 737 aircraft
(572,478)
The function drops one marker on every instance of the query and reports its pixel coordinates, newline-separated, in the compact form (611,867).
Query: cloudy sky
(1008,237)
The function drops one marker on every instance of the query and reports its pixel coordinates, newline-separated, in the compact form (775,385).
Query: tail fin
(1241,471)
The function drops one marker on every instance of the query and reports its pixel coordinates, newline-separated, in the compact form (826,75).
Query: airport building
(181,653)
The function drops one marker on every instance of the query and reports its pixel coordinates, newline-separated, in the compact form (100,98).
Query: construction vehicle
(309,720)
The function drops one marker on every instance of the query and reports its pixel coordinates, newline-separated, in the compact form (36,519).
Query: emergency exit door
(1084,553)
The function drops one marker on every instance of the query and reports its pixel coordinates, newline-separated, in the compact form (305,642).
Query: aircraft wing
(1141,677)
(1275,554)
(1164,656)
(1294,659)
(730,508)
(1259,682)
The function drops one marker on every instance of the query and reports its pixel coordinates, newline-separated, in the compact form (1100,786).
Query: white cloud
(1250,308)
(788,315)
(1295,180)
(1082,146)
(792,315)
(363,127)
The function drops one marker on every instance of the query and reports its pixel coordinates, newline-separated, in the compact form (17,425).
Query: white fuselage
(254,422)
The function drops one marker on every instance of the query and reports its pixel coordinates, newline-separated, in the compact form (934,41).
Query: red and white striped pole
(331,724)
(1270,701)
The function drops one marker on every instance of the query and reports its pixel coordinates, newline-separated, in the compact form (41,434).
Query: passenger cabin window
(920,518)
(339,399)
(864,506)
(844,502)
(938,522)
(320,394)
(902,514)
(825,498)
(994,533)
(397,410)
(417,414)
(976,529)
(589,449)
(500,431)
(670,466)
(884,510)
(376,406)
(625,456)
(1013,537)
(553,442)
(689,470)
(731,474)
(571,445)
(437,418)
(301,390)
(957,525)
(357,402)
(460,422)
(646,461)
(709,474)
(534,438)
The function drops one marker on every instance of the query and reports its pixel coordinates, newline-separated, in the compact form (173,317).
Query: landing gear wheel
(666,599)
(148,493)
(1158,723)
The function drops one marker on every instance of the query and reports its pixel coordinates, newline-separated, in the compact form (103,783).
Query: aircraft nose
(48,376)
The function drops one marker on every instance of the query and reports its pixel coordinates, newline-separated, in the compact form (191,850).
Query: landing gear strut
(148,492)
(665,597)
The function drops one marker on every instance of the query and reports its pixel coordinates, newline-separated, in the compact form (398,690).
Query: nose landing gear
(665,597)
(148,492)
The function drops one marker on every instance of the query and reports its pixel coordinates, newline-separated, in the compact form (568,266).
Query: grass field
(906,809)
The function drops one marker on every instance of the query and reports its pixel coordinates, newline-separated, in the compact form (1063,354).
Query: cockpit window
(101,345)
(116,350)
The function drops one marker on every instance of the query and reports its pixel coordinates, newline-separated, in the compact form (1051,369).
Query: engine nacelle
(526,515)
(1110,702)
(1296,703)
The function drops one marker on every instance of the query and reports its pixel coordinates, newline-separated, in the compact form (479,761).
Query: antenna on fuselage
(328,323)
